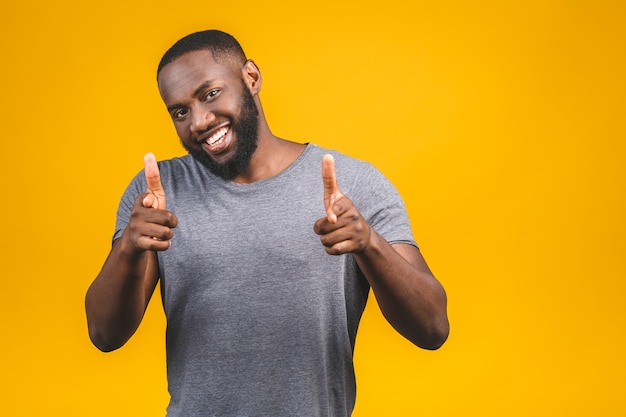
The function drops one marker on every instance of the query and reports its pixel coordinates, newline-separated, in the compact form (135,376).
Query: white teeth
(217,136)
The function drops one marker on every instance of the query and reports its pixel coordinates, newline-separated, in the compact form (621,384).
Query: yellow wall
(502,124)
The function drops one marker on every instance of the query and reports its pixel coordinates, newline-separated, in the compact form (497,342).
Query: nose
(201,119)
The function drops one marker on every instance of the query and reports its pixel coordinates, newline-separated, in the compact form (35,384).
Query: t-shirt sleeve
(380,203)
(137,186)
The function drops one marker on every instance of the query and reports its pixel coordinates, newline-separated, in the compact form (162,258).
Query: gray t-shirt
(261,321)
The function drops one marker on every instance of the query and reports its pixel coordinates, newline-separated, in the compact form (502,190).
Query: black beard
(245,130)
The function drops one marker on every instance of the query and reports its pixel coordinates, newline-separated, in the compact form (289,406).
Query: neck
(272,156)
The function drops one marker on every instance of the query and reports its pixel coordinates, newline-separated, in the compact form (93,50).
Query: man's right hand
(117,299)
(150,225)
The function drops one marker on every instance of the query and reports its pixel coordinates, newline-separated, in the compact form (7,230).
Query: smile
(219,141)
(217,136)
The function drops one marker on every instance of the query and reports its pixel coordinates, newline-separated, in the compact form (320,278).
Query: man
(265,264)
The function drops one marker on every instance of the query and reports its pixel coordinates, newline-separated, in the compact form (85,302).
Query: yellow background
(502,124)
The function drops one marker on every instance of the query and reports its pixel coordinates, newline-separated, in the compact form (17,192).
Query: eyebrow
(195,94)
(202,87)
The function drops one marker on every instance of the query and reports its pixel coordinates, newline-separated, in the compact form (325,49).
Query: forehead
(186,73)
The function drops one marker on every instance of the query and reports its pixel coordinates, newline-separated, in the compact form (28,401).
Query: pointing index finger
(153,178)
(331,189)
(328,175)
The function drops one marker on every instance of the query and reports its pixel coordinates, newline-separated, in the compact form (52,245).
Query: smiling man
(265,263)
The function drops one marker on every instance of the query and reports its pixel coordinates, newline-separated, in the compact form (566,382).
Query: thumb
(153,178)
(332,192)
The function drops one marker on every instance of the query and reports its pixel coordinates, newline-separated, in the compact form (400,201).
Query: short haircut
(223,47)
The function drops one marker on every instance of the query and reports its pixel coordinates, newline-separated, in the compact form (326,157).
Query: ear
(252,76)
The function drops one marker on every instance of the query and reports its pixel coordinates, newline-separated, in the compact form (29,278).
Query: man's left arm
(409,296)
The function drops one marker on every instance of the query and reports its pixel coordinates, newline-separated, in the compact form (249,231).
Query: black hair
(222,45)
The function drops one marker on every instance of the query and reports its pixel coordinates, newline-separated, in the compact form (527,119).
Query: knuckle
(171,219)
(325,241)
(336,249)
(321,226)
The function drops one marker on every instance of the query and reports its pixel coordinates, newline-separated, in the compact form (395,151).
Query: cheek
(182,130)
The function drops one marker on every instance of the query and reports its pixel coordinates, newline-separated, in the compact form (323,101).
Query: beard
(245,130)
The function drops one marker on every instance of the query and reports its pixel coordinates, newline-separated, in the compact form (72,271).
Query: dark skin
(410,297)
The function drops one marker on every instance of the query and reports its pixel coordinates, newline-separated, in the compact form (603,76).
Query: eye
(211,94)
(179,114)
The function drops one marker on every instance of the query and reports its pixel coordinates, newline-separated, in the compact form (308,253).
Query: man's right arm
(117,299)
